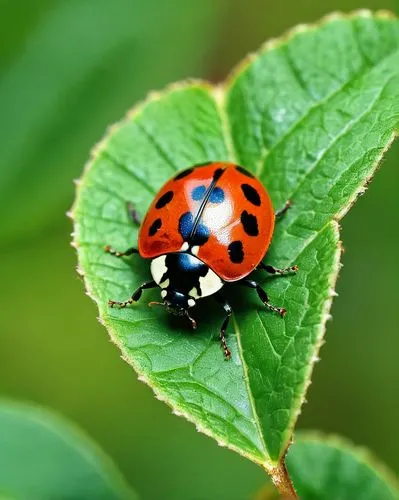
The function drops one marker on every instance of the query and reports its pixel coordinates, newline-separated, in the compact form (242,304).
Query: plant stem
(282,481)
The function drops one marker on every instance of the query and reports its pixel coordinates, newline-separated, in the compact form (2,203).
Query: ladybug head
(177,303)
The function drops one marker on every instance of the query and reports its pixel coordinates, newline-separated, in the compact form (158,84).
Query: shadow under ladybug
(209,226)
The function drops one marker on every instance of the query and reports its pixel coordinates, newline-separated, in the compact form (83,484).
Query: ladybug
(208,226)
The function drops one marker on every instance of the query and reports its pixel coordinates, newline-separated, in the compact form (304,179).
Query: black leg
(192,320)
(262,295)
(282,211)
(223,328)
(135,297)
(133,214)
(127,252)
(274,270)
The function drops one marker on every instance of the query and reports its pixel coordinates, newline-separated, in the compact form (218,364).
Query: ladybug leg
(263,296)
(228,310)
(274,270)
(282,211)
(135,297)
(192,320)
(133,214)
(127,252)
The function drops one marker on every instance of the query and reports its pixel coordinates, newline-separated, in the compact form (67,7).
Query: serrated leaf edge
(277,42)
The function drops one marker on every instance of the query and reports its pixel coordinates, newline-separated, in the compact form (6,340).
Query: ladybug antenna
(156,304)
(192,320)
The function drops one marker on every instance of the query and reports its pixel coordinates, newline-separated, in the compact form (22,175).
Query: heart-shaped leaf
(43,456)
(311,115)
(323,468)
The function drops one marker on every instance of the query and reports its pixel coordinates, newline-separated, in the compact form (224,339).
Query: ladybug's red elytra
(208,226)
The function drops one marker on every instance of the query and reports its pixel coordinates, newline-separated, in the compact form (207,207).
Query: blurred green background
(69,68)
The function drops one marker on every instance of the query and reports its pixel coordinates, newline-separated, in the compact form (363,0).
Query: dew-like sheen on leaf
(311,115)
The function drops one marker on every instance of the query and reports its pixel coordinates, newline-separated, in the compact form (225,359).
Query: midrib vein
(250,396)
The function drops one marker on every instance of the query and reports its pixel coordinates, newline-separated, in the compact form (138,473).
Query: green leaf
(312,114)
(80,65)
(42,456)
(330,468)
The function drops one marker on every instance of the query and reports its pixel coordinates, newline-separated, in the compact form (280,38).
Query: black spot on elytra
(251,194)
(236,252)
(249,223)
(198,193)
(164,199)
(217,195)
(155,226)
(183,174)
(244,171)
(217,173)
(186,224)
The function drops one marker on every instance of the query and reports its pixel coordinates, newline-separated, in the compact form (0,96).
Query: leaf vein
(247,383)
(159,149)
(349,126)
(127,170)
(317,105)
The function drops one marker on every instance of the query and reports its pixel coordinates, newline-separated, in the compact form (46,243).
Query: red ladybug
(209,225)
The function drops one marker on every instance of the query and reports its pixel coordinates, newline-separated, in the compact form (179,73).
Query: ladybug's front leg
(263,296)
(228,310)
(135,297)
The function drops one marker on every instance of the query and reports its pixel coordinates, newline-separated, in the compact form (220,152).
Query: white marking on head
(184,247)
(193,293)
(158,268)
(191,302)
(164,293)
(165,283)
(195,250)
